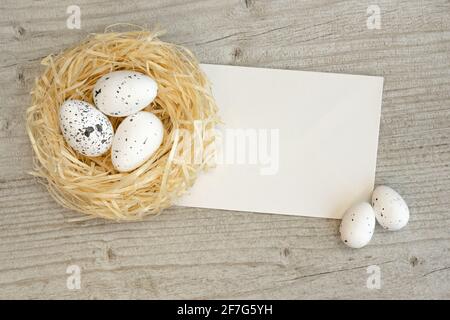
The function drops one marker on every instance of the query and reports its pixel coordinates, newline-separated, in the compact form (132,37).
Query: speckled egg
(391,210)
(84,128)
(357,225)
(122,93)
(136,140)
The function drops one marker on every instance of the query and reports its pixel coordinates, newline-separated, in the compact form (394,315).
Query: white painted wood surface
(192,253)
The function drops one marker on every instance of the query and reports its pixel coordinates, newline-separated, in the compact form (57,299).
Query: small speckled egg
(84,128)
(122,93)
(357,225)
(391,210)
(136,140)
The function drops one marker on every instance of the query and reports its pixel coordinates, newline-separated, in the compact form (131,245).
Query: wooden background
(191,253)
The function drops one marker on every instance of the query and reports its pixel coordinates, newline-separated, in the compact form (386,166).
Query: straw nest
(184,104)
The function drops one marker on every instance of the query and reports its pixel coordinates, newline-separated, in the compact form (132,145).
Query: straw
(91,185)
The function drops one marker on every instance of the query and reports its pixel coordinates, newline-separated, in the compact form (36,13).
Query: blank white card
(294,142)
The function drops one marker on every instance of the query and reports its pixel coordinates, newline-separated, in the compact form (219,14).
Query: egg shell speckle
(357,225)
(137,139)
(391,210)
(122,93)
(84,128)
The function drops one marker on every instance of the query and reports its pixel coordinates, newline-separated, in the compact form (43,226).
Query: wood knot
(4,126)
(414,261)
(237,53)
(20,77)
(110,254)
(19,31)
(248,3)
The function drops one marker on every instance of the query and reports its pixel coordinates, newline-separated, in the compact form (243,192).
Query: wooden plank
(193,253)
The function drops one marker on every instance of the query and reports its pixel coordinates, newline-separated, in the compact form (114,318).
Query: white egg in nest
(122,93)
(84,128)
(137,138)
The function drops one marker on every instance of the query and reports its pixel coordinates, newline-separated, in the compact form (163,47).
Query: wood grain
(193,253)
